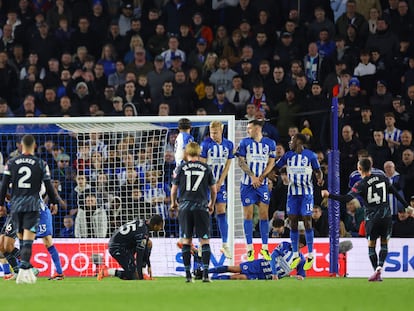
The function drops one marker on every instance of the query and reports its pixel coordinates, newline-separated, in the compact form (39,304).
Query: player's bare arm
(174,204)
(319,176)
(224,174)
(268,169)
(243,165)
(213,196)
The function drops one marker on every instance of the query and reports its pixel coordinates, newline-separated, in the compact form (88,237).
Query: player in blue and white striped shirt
(301,165)
(183,138)
(256,158)
(217,152)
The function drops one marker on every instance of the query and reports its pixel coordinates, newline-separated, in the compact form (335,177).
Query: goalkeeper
(260,269)
(129,246)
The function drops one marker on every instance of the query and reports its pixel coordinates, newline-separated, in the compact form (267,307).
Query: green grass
(172,294)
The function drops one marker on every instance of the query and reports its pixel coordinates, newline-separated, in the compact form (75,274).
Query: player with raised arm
(26,173)
(193,181)
(129,246)
(256,158)
(217,152)
(374,191)
(262,269)
(183,138)
(301,164)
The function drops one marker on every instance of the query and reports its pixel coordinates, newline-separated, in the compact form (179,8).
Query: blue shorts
(222,194)
(249,195)
(253,270)
(45,227)
(300,204)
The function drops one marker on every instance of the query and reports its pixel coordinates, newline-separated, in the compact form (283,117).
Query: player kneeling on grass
(260,269)
(129,246)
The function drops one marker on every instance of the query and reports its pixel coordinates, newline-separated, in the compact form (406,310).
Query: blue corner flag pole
(333,187)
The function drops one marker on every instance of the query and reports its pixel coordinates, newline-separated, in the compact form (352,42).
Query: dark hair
(365,164)
(28,140)
(277,223)
(302,138)
(257,122)
(155,220)
(184,124)
(302,239)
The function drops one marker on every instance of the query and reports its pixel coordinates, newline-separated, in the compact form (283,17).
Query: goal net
(110,170)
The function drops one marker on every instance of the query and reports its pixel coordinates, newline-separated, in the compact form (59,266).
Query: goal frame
(159,120)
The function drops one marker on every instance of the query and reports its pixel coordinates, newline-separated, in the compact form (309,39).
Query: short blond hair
(216,124)
(193,149)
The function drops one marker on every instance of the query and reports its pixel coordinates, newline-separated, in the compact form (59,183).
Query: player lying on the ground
(261,269)
(129,246)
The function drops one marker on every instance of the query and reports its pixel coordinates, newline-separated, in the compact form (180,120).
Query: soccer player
(129,246)
(193,181)
(26,173)
(44,231)
(8,237)
(217,152)
(374,190)
(262,269)
(183,138)
(301,164)
(256,158)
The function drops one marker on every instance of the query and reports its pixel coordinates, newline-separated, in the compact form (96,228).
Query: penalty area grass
(173,294)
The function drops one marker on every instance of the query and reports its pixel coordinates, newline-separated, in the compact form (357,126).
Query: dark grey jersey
(132,235)
(194,180)
(25,173)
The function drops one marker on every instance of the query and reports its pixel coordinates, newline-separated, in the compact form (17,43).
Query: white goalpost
(110,170)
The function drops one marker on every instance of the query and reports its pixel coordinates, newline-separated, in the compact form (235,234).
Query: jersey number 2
(26,173)
(188,181)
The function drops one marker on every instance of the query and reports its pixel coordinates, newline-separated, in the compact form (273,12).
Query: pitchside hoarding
(167,261)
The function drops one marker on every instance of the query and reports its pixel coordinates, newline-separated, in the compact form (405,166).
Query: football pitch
(174,294)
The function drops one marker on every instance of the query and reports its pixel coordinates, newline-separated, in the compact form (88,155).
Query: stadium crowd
(277,60)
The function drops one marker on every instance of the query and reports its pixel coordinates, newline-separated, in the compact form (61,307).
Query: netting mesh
(108,174)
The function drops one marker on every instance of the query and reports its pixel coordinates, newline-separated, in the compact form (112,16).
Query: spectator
(140,64)
(320,22)
(348,147)
(397,181)
(5,111)
(320,222)
(158,76)
(84,36)
(406,169)
(220,105)
(118,77)
(364,126)
(116,39)
(232,51)
(357,19)
(381,103)
(68,230)
(353,217)
(223,76)
(379,150)
(172,52)
(279,230)
(404,226)
(238,96)
(391,133)
(186,39)
(134,41)
(125,17)
(91,219)
(158,42)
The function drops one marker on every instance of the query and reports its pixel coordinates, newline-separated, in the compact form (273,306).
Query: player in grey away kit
(26,173)
(373,190)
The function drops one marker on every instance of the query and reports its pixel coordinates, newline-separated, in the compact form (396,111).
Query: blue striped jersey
(257,155)
(217,154)
(300,168)
(394,135)
(181,141)
(282,257)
